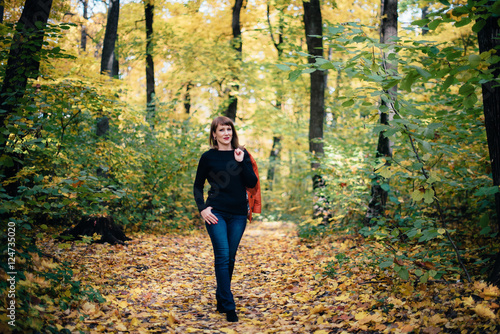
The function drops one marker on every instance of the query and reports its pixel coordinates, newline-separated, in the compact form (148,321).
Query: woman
(228,169)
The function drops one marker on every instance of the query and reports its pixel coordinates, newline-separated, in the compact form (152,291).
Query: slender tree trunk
(388,31)
(150,67)
(274,155)
(273,158)
(237,46)
(109,60)
(425,12)
(109,64)
(83,42)
(1,10)
(314,31)
(489,39)
(23,64)
(187,98)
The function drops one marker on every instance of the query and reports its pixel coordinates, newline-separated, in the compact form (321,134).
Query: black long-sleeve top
(228,181)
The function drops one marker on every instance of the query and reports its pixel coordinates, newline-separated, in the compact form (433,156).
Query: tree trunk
(109,65)
(104,226)
(388,31)
(274,155)
(314,32)
(109,61)
(83,42)
(22,64)
(489,39)
(187,98)
(237,46)
(150,67)
(425,12)
(1,10)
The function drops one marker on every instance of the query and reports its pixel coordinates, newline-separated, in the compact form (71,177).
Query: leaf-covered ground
(166,284)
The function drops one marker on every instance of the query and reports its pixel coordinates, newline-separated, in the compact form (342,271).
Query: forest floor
(166,284)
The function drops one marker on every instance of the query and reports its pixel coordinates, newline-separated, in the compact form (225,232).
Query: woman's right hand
(208,216)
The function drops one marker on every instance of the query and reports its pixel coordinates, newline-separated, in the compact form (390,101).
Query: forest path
(166,284)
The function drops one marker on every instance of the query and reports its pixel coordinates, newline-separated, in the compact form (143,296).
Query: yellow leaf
(361,315)
(484,311)
(121,327)
(468,301)
(171,319)
(318,309)
(228,330)
(491,291)
(88,308)
(321,331)
(343,297)
(135,322)
(123,304)
(436,320)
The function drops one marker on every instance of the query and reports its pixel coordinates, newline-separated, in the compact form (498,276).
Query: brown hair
(223,120)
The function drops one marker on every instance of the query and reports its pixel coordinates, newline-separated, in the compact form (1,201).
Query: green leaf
(461,10)
(470,100)
(478,25)
(424,278)
(495,9)
(487,191)
(308,70)
(385,172)
(434,24)
(390,84)
(448,82)
(485,220)
(417,195)
(421,23)
(327,66)
(466,89)
(336,30)
(463,22)
(474,60)
(386,264)
(429,196)
(485,230)
(6,161)
(283,67)
(404,274)
(408,81)
(321,61)
(422,72)
(293,75)
(348,103)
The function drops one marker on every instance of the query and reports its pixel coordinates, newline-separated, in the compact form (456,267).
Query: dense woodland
(374,121)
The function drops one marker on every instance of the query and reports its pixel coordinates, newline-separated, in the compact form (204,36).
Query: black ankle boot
(231,316)
(220,309)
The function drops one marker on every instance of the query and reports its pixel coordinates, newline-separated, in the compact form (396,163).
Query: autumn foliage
(421,266)
(165,283)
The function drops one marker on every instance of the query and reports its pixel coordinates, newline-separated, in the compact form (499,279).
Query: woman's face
(223,135)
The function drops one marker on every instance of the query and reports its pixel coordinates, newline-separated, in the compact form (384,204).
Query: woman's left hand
(238,155)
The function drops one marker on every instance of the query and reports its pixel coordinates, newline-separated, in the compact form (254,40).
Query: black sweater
(228,181)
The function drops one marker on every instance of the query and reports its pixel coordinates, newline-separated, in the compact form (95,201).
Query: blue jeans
(225,236)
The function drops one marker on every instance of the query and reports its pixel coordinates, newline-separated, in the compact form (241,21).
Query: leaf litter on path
(166,284)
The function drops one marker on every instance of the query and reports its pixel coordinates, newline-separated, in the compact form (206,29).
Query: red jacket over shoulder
(254,199)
